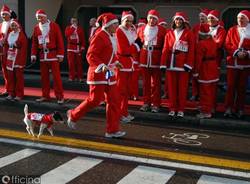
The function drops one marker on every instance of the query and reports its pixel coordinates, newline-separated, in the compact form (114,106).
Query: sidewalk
(73,98)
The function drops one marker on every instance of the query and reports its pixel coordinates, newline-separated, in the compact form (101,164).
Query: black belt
(46,50)
(124,55)
(151,47)
(74,43)
(209,58)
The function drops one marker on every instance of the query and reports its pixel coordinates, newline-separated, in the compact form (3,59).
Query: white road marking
(69,170)
(205,179)
(14,157)
(147,175)
(229,172)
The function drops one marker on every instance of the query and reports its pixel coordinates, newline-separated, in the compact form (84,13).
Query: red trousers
(16,82)
(123,87)
(95,97)
(207,96)
(177,89)
(4,72)
(151,86)
(134,84)
(166,84)
(75,65)
(195,86)
(54,66)
(236,88)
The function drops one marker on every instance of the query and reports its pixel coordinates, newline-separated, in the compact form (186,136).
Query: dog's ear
(57,116)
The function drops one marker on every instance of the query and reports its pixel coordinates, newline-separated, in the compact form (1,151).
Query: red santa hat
(215,14)
(126,14)
(15,21)
(153,13)
(204,12)
(204,29)
(107,19)
(5,9)
(181,15)
(162,21)
(244,13)
(142,21)
(41,12)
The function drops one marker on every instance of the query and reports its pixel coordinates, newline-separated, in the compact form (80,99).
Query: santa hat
(153,13)
(204,12)
(142,21)
(244,13)
(215,14)
(162,21)
(5,9)
(126,14)
(181,15)
(41,13)
(14,21)
(204,29)
(107,19)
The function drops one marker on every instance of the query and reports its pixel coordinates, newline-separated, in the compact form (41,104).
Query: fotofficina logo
(14,179)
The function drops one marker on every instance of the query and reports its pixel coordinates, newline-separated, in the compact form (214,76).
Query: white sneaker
(125,119)
(42,99)
(61,101)
(115,135)
(155,109)
(145,108)
(70,123)
(9,97)
(204,116)
(228,113)
(180,114)
(17,98)
(130,117)
(171,113)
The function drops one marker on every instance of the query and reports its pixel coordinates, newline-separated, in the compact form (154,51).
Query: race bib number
(43,40)
(73,37)
(181,46)
(36,117)
(11,55)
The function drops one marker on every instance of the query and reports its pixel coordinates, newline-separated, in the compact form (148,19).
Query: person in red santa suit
(177,58)
(47,42)
(237,45)
(152,36)
(196,28)
(92,27)
(16,59)
(126,47)
(206,70)
(102,61)
(75,47)
(4,31)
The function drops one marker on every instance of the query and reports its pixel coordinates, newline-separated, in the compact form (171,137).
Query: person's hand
(104,68)
(242,54)
(118,65)
(60,59)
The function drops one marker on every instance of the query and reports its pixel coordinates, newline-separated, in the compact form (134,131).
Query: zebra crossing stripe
(206,179)
(14,157)
(147,175)
(69,170)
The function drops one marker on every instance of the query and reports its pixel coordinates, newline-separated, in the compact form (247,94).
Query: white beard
(150,34)
(130,34)
(12,38)
(5,27)
(45,28)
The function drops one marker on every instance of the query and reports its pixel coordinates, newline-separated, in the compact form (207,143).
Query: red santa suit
(75,46)
(101,53)
(126,46)
(16,60)
(4,31)
(206,71)
(237,69)
(150,56)
(178,55)
(41,118)
(47,42)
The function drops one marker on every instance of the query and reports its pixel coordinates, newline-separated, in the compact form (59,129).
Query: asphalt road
(157,136)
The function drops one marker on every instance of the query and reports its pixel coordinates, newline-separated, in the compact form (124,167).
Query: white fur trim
(33,57)
(150,15)
(186,65)
(60,56)
(6,12)
(208,81)
(137,47)
(203,34)
(163,67)
(203,14)
(141,23)
(235,52)
(195,75)
(210,15)
(126,16)
(101,82)
(41,14)
(175,17)
(242,14)
(110,23)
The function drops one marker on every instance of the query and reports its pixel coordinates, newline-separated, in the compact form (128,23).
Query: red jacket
(151,59)
(53,46)
(17,45)
(101,52)
(177,53)
(75,39)
(206,65)
(126,48)
(232,44)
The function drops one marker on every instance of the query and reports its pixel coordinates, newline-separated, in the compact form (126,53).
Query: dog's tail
(26,110)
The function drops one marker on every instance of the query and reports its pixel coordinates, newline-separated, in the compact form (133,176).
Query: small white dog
(43,120)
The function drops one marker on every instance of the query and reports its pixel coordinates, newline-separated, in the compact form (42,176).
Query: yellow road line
(144,152)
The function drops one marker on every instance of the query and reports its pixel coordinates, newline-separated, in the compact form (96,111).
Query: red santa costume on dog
(126,47)
(150,56)
(75,46)
(16,60)
(47,41)
(178,58)
(102,59)
(206,71)
(4,31)
(237,40)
